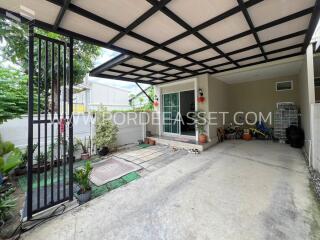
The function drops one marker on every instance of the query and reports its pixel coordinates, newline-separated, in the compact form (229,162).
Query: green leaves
(13,94)
(106,131)
(15,50)
(81,176)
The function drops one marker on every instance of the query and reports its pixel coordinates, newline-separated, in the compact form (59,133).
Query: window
(284,86)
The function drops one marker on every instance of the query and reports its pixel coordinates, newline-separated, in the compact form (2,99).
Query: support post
(150,99)
(30,121)
(71,120)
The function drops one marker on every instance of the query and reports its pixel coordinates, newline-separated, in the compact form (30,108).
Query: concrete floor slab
(235,190)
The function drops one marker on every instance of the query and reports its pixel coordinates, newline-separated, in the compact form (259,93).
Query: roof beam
(61,14)
(121,78)
(257,29)
(125,31)
(182,23)
(111,63)
(252,28)
(139,20)
(150,99)
(312,25)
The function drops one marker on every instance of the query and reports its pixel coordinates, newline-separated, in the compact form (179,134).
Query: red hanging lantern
(201,98)
(155,103)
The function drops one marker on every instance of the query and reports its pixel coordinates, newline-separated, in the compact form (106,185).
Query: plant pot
(83,197)
(203,138)
(146,141)
(103,151)
(152,142)
(19,171)
(85,156)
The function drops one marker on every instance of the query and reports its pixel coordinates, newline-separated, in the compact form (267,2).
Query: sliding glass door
(170,109)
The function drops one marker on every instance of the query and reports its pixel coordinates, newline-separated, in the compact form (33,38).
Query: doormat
(111,169)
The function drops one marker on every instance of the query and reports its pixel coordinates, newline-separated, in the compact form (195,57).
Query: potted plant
(201,122)
(42,163)
(81,176)
(106,132)
(21,169)
(84,147)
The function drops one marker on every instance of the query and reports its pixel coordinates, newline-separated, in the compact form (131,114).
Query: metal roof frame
(194,67)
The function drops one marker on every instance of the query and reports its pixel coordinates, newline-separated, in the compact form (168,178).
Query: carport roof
(165,40)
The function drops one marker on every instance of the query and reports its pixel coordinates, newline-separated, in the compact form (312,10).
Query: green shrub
(106,131)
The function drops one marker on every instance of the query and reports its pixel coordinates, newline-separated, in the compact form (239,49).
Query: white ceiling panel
(30,9)
(122,68)
(142,72)
(170,78)
(172,71)
(158,81)
(245,54)
(132,44)
(284,43)
(253,60)
(216,62)
(121,12)
(130,76)
(161,55)
(285,28)
(137,62)
(187,44)
(199,11)
(204,55)
(157,67)
(270,10)
(194,67)
(225,67)
(226,28)
(180,62)
(76,23)
(184,74)
(284,53)
(158,75)
(111,73)
(243,42)
(145,79)
(159,28)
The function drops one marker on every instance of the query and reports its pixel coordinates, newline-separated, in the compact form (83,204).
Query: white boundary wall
(16,130)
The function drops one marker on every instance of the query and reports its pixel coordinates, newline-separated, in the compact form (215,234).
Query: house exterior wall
(112,98)
(307,97)
(218,102)
(261,96)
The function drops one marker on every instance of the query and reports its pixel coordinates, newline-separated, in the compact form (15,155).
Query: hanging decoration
(201,98)
(156,101)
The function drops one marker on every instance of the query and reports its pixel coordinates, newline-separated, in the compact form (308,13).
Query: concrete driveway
(236,190)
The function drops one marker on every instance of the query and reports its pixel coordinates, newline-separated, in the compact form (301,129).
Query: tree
(14,36)
(13,94)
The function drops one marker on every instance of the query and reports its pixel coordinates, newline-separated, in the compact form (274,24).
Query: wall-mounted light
(201,98)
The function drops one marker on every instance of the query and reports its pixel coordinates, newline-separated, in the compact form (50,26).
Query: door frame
(161,87)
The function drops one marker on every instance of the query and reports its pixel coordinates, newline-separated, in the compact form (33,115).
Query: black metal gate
(50,123)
